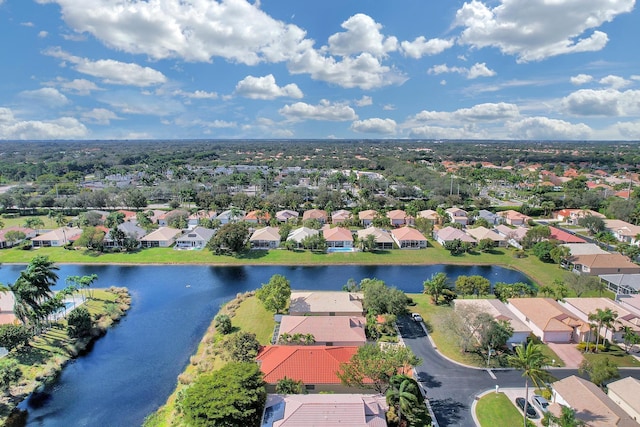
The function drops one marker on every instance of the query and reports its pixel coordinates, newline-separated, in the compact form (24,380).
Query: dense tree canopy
(233,396)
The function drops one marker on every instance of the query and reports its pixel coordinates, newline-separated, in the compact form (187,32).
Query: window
(309,387)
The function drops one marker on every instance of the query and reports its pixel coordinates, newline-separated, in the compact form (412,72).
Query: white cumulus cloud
(581,79)
(364,101)
(534,30)
(266,88)
(100,116)
(421,47)
(616,82)
(60,128)
(546,128)
(111,71)
(47,95)
(477,70)
(375,125)
(362,35)
(602,102)
(323,111)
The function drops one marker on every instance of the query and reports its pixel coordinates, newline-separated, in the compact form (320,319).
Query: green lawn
(49,223)
(251,316)
(445,342)
(617,355)
(495,409)
(539,272)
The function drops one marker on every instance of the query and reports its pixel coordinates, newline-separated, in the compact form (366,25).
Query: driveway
(569,354)
(451,388)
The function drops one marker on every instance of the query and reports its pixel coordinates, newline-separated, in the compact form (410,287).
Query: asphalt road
(452,388)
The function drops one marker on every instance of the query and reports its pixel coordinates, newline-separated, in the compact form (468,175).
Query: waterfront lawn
(251,316)
(495,409)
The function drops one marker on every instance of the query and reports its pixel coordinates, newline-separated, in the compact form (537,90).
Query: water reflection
(132,369)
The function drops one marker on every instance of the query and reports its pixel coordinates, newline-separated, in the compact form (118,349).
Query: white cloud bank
(533,30)
(477,70)
(375,125)
(61,128)
(323,111)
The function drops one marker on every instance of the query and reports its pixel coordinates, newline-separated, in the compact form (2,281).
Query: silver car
(540,402)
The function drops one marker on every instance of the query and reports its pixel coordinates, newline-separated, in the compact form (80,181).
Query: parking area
(569,354)
(515,392)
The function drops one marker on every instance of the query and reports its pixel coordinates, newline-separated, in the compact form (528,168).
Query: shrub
(223,324)
(79,322)
(592,346)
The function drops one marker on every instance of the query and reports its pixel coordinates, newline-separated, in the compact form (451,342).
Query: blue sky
(491,69)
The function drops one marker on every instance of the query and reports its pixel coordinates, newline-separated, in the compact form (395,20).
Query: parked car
(531,412)
(416,317)
(541,403)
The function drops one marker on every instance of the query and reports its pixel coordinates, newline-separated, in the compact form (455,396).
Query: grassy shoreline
(537,271)
(48,353)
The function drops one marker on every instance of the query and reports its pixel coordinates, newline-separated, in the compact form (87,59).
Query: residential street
(451,388)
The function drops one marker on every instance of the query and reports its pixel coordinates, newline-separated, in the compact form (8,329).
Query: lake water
(132,370)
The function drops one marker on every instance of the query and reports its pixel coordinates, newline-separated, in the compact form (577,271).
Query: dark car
(531,412)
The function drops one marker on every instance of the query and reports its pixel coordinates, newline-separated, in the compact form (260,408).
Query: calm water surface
(132,370)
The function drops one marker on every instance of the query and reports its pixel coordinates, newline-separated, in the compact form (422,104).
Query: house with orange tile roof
(572,216)
(319,214)
(325,410)
(326,330)
(128,215)
(399,218)
(366,217)
(596,264)
(325,303)
(564,237)
(548,320)
(340,216)
(409,238)
(512,217)
(338,237)
(591,404)
(258,217)
(583,307)
(315,366)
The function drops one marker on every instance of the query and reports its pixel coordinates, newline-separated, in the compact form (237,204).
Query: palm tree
(32,290)
(530,359)
(34,222)
(403,395)
(435,285)
(604,318)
